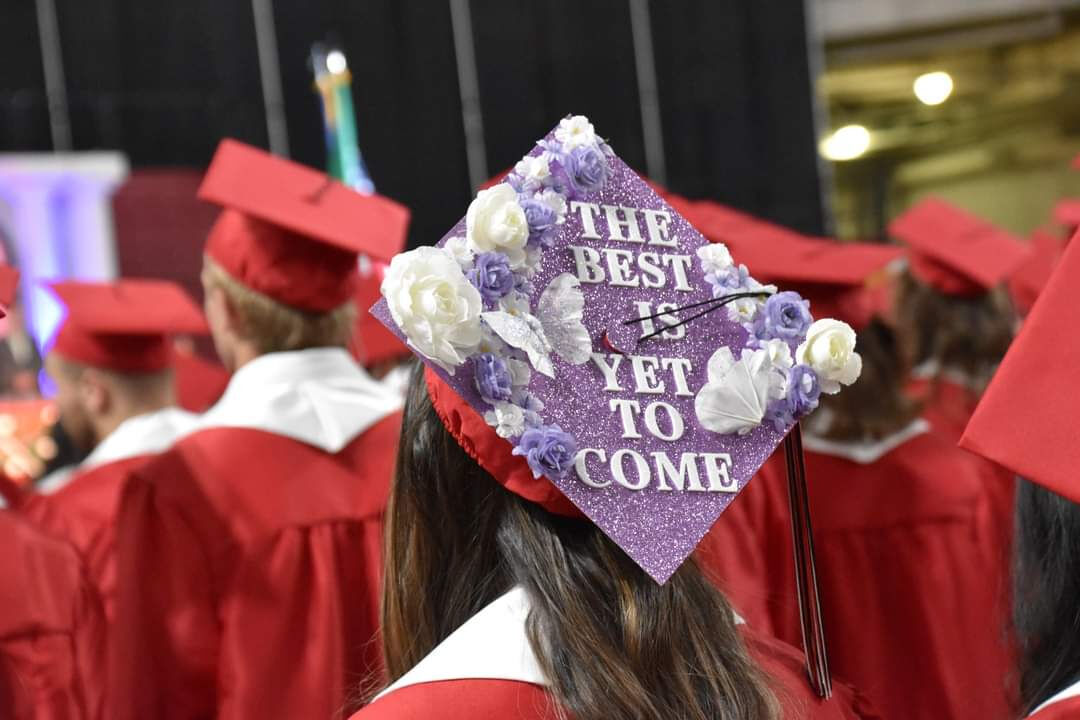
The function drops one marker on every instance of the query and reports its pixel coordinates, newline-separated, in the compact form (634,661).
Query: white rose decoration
(715,257)
(829,349)
(433,303)
(575,131)
(533,171)
(495,222)
(458,248)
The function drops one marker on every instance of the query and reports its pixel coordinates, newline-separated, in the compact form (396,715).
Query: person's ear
(94,392)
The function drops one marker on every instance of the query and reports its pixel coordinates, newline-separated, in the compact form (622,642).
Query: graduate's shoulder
(479,699)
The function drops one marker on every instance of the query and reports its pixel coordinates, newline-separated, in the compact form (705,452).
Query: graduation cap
(9,280)
(1067,212)
(293,233)
(598,356)
(954,251)
(1026,420)
(371,343)
(1031,276)
(125,325)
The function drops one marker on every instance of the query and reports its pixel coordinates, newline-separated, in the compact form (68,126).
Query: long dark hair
(614,644)
(970,334)
(1046,588)
(875,406)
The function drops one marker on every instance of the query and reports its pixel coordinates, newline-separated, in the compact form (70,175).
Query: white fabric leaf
(737,393)
(560,310)
(523,332)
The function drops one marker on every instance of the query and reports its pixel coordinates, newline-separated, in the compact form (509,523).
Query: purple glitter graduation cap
(631,363)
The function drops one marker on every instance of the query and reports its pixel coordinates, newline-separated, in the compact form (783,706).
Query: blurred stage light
(846,143)
(335,61)
(933,88)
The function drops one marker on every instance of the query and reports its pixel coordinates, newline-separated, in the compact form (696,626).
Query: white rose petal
(458,249)
(575,131)
(508,420)
(829,349)
(715,257)
(495,222)
(743,310)
(434,304)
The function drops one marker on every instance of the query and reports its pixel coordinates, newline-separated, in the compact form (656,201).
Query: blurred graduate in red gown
(51,621)
(1027,421)
(249,553)
(112,365)
(906,570)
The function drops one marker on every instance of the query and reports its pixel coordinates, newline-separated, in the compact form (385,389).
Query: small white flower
(743,310)
(434,304)
(715,257)
(779,357)
(495,222)
(515,303)
(508,420)
(534,257)
(458,249)
(829,349)
(556,202)
(520,372)
(575,131)
(533,171)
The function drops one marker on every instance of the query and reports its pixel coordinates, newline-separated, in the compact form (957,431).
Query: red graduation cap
(846,281)
(1067,212)
(9,279)
(1027,418)
(125,325)
(372,344)
(294,233)
(1076,163)
(954,251)
(1031,277)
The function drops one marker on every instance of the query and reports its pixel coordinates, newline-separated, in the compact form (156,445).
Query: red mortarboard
(9,279)
(372,344)
(837,278)
(1076,163)
(954,251)
(1027,418)
(1067,212)
(291,232)
(126,325)
(1031,277)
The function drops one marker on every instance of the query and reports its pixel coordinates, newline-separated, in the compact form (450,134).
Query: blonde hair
(275,327)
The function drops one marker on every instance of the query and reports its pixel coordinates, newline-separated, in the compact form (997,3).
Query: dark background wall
(164,81)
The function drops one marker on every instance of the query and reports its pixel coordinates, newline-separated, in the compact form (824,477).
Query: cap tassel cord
(716,303)
(810,615)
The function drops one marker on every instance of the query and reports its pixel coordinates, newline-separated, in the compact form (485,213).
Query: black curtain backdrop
(164,81)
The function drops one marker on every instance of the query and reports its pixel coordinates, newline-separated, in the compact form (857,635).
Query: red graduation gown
(51,629)
(488,699)
(83,513)
(913,613)
(249,571)
(1064,710)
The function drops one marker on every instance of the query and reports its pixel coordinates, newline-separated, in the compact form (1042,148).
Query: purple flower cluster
(803,393)
(786,316)
(493,380)
(588,168)
(549,451)
(492,276)
(542,219)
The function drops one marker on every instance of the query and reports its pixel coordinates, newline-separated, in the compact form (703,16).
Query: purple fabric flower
(588,168)
(541,218)
(804,390)
(549,451)
(786,316)
(802,396)
(492,276)
(493,380)
(734,279)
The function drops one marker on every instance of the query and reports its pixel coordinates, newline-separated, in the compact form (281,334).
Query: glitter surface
(658,528)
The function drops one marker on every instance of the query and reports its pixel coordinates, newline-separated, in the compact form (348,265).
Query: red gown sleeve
(165,643)
(1064,710)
